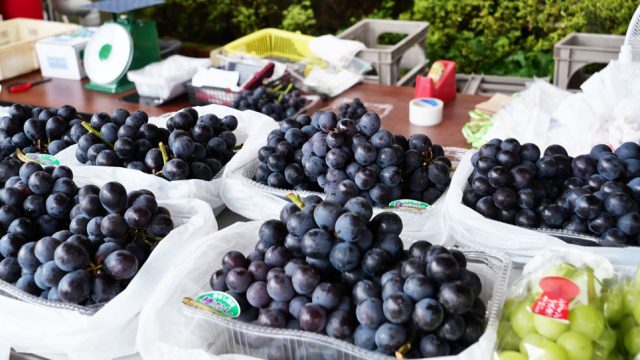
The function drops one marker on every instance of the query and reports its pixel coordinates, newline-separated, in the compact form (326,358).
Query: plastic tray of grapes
(523,241)
(194,163)
(58,272)
(600,312)
(194,331)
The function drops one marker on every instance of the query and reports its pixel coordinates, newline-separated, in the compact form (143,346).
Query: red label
(557,293)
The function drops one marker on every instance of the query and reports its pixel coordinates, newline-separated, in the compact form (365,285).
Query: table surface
(58,92)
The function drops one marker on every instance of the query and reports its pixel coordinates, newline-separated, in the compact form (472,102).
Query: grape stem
(284,92)
(163,150)
(94,132)
(20,155)
(406,347)
(295,198)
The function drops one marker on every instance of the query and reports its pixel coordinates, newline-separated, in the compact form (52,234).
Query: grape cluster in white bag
(249,129)
(57,329)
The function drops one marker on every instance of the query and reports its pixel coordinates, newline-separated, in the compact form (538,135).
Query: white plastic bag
(110,332)
(241,194)
(545,115)
(527,116)
(165,79)
(169,330)
(251,130)
(472,229)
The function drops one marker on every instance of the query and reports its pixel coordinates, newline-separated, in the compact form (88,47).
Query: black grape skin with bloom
(334,270)
(596,194)
(191,147)
(79,245)
(37,130)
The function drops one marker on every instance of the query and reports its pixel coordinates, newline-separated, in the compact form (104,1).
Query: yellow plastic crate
(273,43)
(17,39)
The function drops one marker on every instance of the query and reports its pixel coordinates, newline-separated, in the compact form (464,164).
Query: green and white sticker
(42,159)
(220,303)
(408,204)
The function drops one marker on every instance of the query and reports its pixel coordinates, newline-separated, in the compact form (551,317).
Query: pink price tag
(557,293)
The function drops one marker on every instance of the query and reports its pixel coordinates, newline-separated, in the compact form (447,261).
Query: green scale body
(145,51)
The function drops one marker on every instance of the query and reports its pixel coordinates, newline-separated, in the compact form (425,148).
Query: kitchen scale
(122,44)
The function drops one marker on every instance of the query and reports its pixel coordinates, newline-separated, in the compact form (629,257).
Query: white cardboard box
(61,56)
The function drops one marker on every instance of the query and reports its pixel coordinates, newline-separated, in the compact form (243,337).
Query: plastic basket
(17,39)
(386,58)
(577,50)
(273,43)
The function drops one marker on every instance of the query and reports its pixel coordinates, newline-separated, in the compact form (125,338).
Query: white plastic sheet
(111,331)
(472,229)
(606,111)
(166,79)
(251,130)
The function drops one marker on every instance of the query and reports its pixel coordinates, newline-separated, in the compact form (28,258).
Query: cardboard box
(61,56)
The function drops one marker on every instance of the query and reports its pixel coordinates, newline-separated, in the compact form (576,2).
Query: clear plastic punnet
(472,229)
(253,128)
(241,192)
(169,329)
(571,305)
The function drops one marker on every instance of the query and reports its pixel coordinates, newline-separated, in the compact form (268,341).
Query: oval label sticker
(42,159)
(408,204)
(220,303)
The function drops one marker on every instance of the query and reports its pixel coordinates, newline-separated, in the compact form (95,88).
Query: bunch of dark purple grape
(281,159)
(352,110)
(37,130)
(596,193)
(332,269)
(271,101)
(75,245)
(355,158)
(198,146)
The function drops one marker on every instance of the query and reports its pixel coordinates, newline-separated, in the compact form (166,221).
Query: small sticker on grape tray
(220,303)
(557,293)
(408,204)
(42,159)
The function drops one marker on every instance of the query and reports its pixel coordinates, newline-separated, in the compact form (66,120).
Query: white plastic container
(170,330)
(166,79)
(61,56)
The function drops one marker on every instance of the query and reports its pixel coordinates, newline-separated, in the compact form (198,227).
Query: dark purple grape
(121,265)
(312,317)
(75,287)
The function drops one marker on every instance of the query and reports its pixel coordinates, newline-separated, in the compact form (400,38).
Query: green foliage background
(502,37)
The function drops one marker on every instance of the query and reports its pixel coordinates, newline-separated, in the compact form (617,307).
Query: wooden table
(59,92)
